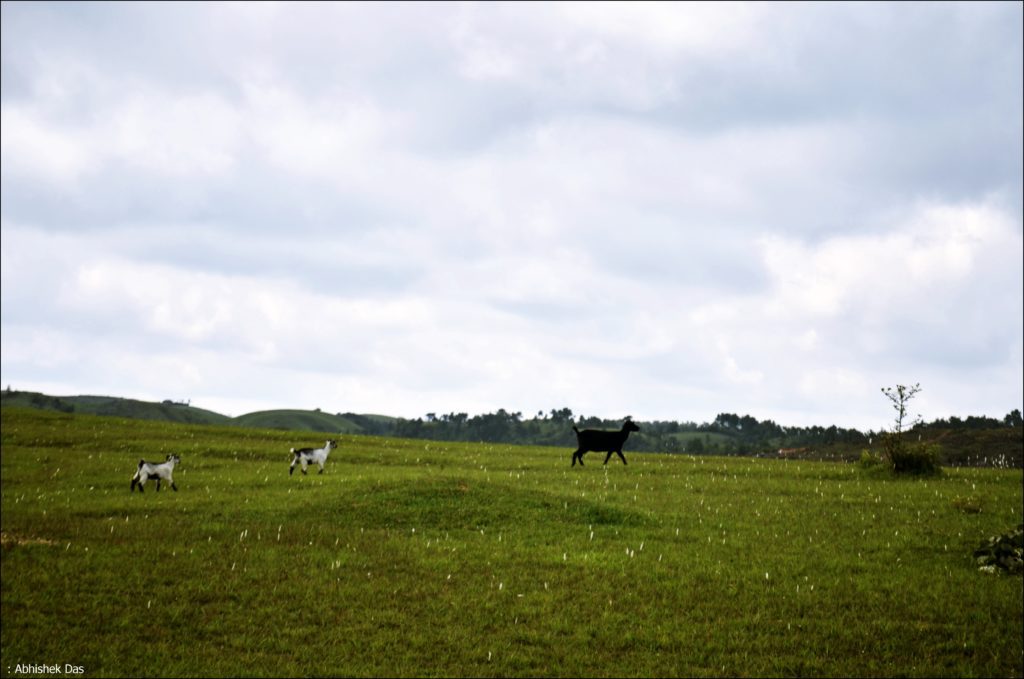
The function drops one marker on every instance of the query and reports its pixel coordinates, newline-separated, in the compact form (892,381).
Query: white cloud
(667,28)
(40,150)
(897,269)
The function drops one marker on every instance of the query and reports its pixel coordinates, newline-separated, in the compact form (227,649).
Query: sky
(666,211)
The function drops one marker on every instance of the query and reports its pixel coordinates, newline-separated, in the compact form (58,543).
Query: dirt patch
(12,540)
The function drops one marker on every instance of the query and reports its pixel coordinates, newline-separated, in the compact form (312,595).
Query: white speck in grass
(501,586)
(149,604)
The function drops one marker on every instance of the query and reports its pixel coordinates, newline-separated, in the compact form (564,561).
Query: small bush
(1003,553)
(919,459)
(869,460)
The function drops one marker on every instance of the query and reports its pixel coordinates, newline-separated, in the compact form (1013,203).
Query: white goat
(160,472)
(307,456)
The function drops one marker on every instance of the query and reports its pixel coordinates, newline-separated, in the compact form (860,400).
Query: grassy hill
(980,447)
(298,420)
(424,558)
(114,406)
(167,411)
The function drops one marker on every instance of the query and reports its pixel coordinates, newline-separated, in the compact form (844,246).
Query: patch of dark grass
(456,503)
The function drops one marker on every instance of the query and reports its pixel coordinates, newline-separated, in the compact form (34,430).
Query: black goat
(602,441)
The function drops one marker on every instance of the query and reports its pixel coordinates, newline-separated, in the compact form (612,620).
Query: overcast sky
(658,210)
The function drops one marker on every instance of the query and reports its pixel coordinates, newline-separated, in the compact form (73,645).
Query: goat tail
(141,462)
(575,430)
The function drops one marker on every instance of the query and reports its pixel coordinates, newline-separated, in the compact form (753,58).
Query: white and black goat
(308,456)
(160,472)
(602,441)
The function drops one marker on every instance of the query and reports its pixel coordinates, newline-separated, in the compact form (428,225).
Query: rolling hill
(301,420)
(168,411)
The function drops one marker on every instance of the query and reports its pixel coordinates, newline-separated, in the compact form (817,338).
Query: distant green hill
(168,411)
(114,406)
(299,420)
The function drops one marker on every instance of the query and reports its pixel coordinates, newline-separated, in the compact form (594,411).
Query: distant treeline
(728,434)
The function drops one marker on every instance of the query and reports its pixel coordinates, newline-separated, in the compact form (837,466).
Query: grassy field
(414,558)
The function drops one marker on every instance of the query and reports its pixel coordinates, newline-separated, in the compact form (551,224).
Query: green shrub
(919,459)
(870,460)
(1003,552)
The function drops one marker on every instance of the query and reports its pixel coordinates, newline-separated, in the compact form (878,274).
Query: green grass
(416,558)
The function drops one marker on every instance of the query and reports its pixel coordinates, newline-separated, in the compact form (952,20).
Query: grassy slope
(420,558)
(299,420)
(296,420)
(114,406)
